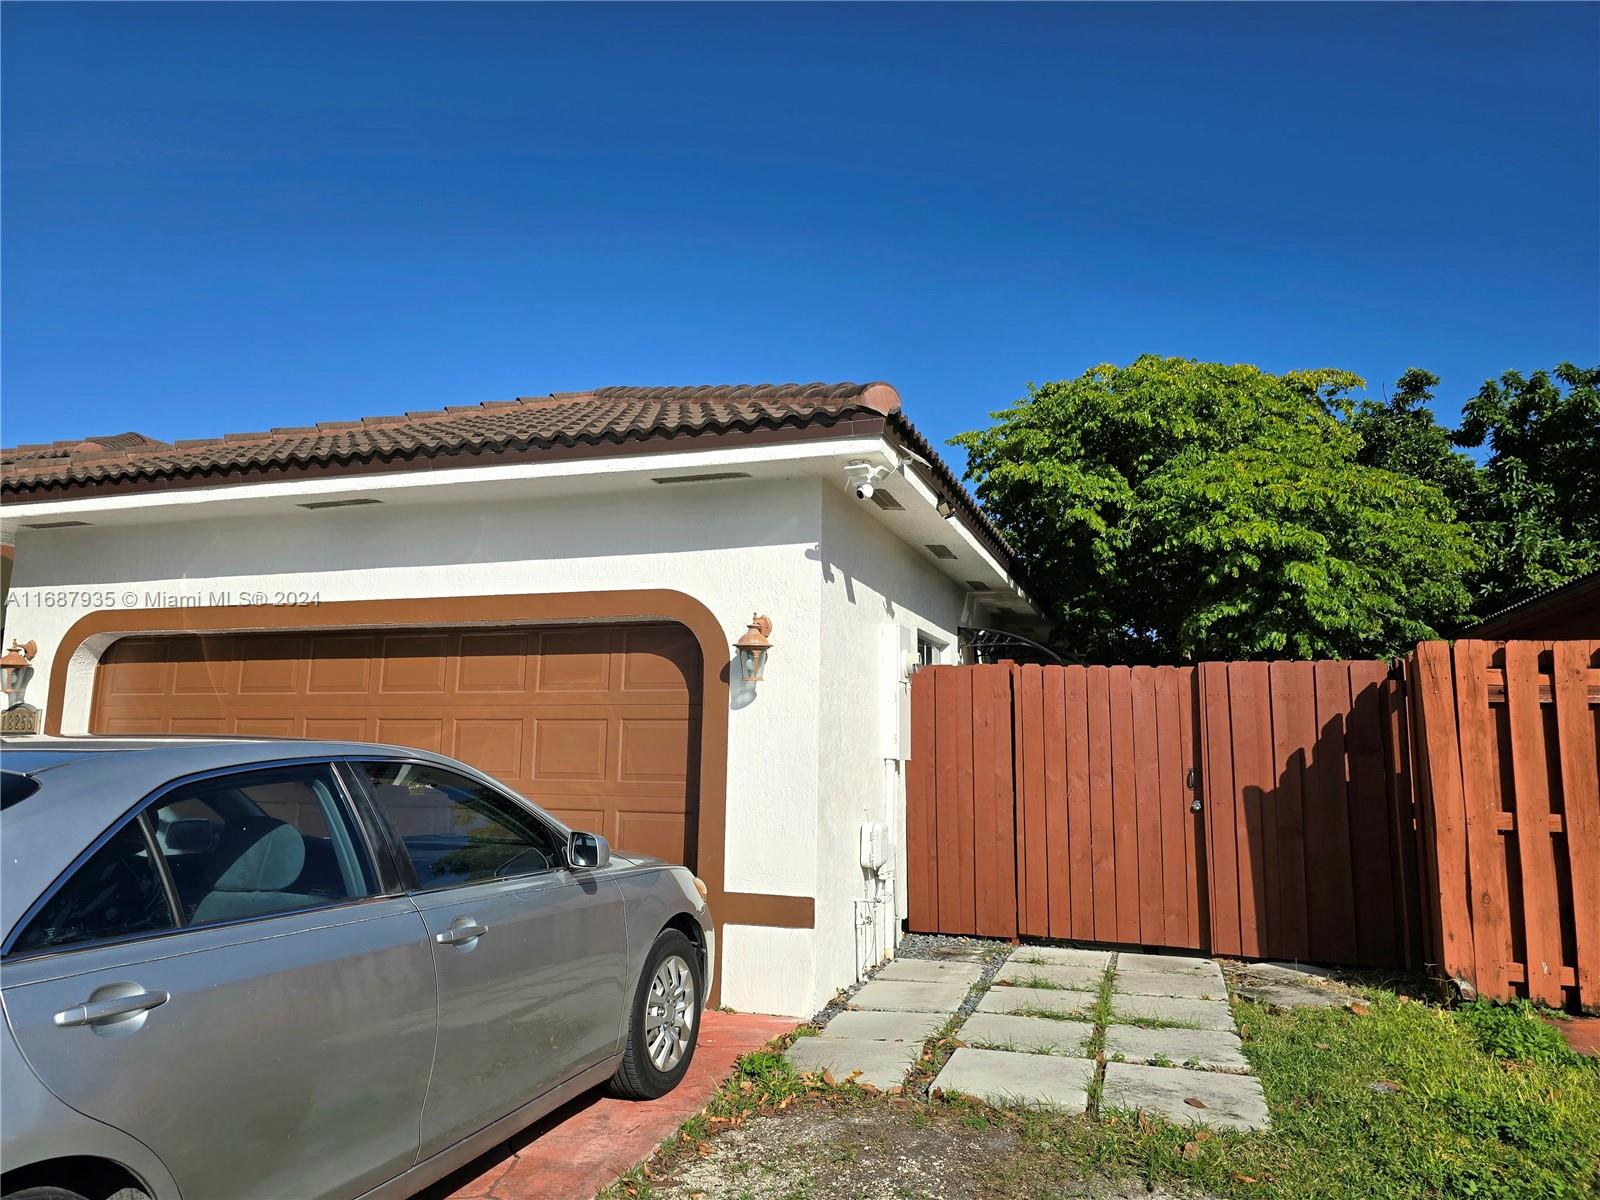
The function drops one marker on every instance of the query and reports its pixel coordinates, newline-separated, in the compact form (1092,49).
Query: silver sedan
(256,968)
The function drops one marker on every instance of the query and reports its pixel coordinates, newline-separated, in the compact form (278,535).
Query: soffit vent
(707,477)
(939,551)
(977,585)
(55,524)
(358,503)
(886,502)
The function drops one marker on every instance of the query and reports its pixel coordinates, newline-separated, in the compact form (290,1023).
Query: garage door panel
(492,662)
(419,734)
(340,666)
(656,661)
(574,660)
(274,669)
(597,724)
(412,663)
(200,725)
(208,667)
(654,749)
(569,748)
(266,727)
(492,744)
(659,834)
(339,729)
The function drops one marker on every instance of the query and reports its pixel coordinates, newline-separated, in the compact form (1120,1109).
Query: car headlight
(700,886)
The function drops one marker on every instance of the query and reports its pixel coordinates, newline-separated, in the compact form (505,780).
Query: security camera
(862,476)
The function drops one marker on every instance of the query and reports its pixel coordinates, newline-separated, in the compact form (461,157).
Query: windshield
(15,787)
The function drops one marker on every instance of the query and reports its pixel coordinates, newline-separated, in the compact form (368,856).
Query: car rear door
(530,956)
(228,979)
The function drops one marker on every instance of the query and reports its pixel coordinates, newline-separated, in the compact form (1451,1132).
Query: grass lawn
(1398,1099)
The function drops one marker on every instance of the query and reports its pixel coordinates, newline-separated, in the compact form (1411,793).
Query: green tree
(1537,516)
(1183,510)
(1401,434)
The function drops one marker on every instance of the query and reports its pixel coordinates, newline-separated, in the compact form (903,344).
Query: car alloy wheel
(669,1013)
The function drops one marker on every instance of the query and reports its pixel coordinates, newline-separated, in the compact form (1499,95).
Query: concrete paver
(925,970)
(1062,956)
(882,1064)
(1002,1031)
(1190,984)
(1186,1097)
(1038,1000)
(1005,1077)
(884,1026)
(1199,1014)
(1211,1049)
(1166,962)
(1083,979)
(910,996)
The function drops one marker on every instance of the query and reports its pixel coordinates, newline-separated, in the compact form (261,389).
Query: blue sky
(229,217)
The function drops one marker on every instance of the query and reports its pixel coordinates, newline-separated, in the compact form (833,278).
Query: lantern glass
(752,663)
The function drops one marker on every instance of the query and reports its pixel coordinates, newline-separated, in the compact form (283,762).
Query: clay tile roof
(614,415)
(622,417)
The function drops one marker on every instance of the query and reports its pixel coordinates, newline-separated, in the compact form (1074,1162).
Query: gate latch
(1189,782)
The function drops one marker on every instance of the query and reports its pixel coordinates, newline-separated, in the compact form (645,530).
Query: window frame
(408,869)
(181,925)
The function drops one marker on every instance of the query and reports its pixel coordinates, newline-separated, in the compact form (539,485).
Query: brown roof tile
(613,415)
(616,414)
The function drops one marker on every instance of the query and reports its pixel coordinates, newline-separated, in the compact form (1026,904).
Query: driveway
(581,1148)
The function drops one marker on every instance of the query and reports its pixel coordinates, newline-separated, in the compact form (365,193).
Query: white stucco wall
(870,580)
(805,763)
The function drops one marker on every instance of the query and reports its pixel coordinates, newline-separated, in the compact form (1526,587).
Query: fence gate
(1056,802)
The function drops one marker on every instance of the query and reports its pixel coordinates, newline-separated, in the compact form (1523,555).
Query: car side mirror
(587,852)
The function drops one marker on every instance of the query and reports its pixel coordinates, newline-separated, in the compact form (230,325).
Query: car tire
(55,1193)
(664,1021)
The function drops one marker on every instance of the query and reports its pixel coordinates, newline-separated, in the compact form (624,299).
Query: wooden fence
(1509,791)
(1061,802)
(1443,815)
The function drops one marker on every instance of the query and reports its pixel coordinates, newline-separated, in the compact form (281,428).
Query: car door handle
(458,934)
(95,1012)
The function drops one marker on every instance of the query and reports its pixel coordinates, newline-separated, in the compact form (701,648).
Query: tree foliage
(1537,512)
(1182,510)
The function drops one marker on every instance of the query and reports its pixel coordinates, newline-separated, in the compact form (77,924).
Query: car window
(117,892)
(260,842)
(456,830)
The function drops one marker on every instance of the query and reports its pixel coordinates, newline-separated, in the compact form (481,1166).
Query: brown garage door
(598,724)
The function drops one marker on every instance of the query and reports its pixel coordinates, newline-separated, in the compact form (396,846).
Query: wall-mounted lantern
(16,667)
(752,649)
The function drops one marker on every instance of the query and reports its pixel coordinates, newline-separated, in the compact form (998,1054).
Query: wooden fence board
(1172,801)
(1369,817)
(1102,838)
(1221,837)
(1580,795)
(1535,855)
(1294,730)
(922,864)
(1194,842)
(1435,717)
(1080,858)
(1332,888)
(1480,798)
(1147,805)
(1124,797)
(1053,731)
(1034,918)
(1250,726)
